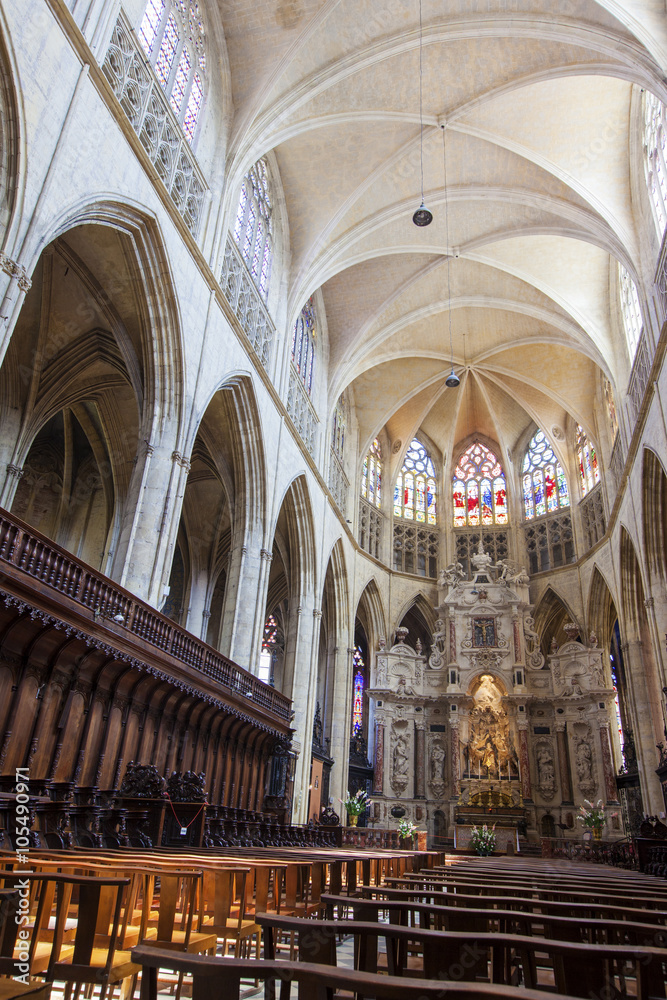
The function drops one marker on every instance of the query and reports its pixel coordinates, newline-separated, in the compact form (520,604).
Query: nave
(373,923)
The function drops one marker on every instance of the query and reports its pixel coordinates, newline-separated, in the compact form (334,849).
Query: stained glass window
(655,139)
(617,703)
(630,310)
(588,463)
(253,228)
(358,692)
(479,492)
(150,24)
(269,640)
(339,428)
(544,483)
(371,475)
(611,408)
(415,489)
(303,343)
(173,36)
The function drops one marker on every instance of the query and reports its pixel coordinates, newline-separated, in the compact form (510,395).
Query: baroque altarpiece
(483,727)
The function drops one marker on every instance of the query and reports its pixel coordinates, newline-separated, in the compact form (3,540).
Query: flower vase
(597,833)
(352,820)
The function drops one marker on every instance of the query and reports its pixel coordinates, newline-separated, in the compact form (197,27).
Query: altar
(504,835)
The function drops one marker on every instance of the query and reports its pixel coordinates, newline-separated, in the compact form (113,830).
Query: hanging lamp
(452,381)
(422,216)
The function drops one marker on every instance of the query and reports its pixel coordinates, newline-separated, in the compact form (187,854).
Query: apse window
(371,475)
(631,312)
(589,473)
(253,227)
(655,169)
(544,484)
(303,344)
(173,36)
(479,491)
(415,490)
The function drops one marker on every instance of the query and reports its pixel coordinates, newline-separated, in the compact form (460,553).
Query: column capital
(266,554)
(15,470)
(317,613)
(649,602)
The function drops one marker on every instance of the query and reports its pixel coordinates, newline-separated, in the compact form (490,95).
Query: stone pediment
(401,649)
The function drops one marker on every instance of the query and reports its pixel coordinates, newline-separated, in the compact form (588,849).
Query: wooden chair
(220,979)
(95,958)
(225,911)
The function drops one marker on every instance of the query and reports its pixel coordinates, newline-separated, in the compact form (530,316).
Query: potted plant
(483,840)
(592,816)
(355,805)
(406,831)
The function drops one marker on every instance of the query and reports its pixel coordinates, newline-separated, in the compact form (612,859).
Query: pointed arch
(370,613)
(551,613)
(297,510)
(162,341)
(335,580)
(654,509)
(602,611)
(418,616)
(12,152)
(632,584)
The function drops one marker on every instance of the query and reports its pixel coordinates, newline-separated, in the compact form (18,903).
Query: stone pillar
(645,738)
(452,641)
(517,639)
(526,789)
(144,550)
(563,763)
(420,758)
(341,721)
(303,694)
(244,610)
(611,793)
(454,746)
(378,762)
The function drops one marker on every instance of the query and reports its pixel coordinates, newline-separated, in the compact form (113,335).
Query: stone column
(454,746)
(341,721)
(420,756)
(378,762)
(645,738)
(144,550)
(452,641)
(526,789)
(563,763)
(611,792)
(303,693)
(517,639)
(244,611)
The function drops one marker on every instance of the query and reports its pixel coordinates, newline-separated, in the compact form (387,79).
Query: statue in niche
(535,658)
(401,759)
(584,759)
(487,694)
(437,763)
(546,771)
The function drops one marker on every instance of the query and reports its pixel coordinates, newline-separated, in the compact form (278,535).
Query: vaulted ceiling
(541,103)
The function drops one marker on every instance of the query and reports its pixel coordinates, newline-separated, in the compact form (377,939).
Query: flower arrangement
(483,840)
(406,828)
(591,815)
(357,803)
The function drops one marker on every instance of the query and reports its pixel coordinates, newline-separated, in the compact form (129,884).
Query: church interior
(332,431)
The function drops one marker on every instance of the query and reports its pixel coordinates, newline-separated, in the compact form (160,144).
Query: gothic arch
(12,133)
(601,609)
(632,584)
(371,613)
(551,613)
(654,507)
(150,272)
(418,616)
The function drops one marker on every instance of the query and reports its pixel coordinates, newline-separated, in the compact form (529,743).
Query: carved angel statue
(436,658)
(451,575)
(535,658)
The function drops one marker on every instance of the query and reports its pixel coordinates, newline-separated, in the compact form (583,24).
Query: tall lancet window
(654,142)
(253,229)
(631,312)
(371,475)
(304,340)
(415,490)
(358,692)
(544,483)
(173,36)
(479,492)
(589,472)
